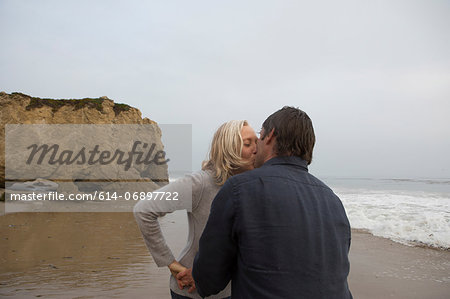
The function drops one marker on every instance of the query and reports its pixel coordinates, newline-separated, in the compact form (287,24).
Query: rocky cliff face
(17,108)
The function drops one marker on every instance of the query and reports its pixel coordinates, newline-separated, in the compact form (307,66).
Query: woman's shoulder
(196,179)
(203,177)
(198,175)
(204,191)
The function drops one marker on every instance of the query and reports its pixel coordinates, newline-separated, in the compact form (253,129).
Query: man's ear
(269,138)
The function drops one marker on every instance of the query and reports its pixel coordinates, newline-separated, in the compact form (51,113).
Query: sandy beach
(381,268)
(102,255)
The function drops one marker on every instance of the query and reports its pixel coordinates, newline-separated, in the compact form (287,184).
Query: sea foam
(408,217)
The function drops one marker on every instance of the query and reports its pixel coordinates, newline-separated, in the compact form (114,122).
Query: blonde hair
(225,152)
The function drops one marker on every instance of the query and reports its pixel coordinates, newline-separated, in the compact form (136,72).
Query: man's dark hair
(294,131)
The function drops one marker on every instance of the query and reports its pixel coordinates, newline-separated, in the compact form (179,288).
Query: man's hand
(185,279)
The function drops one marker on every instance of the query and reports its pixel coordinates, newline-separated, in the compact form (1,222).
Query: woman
(233,150)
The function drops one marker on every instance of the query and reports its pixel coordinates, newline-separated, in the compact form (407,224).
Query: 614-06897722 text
(97,195)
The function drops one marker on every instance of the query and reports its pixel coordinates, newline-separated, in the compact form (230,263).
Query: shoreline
(411,244)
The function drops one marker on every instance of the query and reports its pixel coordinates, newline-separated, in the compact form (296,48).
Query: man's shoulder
(248,176)
(252,176)
(277,173)
(313,180)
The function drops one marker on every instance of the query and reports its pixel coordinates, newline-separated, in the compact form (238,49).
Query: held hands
(183,276)
(175,268)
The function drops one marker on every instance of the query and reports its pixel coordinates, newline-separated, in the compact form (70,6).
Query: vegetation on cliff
(95,103)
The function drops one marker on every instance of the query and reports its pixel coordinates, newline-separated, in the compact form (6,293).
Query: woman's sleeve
(147,212)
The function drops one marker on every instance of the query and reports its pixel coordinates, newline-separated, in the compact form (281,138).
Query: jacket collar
(288,160)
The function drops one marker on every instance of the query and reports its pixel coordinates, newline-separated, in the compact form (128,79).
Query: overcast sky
(374,76)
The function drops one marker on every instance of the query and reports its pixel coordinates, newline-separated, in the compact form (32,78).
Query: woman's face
(249,146)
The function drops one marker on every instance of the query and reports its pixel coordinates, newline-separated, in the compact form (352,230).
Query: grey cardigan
(204,189)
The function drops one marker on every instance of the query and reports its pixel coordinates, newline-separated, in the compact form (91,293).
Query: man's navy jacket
(276,232)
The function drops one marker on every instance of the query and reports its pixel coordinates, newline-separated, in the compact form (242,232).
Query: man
(276,231)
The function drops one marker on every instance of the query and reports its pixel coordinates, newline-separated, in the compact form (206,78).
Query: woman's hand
(175,267)
(185,277)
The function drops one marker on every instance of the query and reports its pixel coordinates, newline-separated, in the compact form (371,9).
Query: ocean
(408,211)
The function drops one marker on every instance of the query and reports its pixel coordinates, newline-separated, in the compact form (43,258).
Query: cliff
(18,108)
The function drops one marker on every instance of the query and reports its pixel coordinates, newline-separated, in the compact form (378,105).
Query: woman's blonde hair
(225,152)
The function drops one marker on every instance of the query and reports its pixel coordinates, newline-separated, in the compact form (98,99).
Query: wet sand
(381,268)
(82,255)
(102,255)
